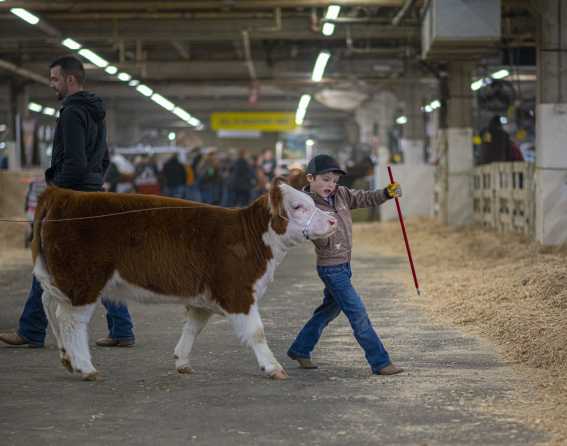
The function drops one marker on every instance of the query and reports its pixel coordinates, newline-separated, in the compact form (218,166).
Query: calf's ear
(277,208)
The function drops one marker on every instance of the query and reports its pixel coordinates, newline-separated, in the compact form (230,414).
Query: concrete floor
(445,398)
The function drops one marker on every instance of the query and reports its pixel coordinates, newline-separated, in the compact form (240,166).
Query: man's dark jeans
(33,321)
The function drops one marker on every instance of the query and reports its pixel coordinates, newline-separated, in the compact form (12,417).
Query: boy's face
(324,184)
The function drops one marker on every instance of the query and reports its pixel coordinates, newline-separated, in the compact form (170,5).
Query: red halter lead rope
(401,217)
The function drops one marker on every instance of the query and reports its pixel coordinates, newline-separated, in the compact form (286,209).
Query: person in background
(209,179)
(174,177)
(79,162)
(496,144)
(268,164)
(242,180)
(333,266)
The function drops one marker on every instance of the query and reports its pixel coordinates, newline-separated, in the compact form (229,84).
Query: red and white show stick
(405,234)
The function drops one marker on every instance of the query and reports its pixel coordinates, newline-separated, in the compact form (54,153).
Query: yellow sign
(258,121)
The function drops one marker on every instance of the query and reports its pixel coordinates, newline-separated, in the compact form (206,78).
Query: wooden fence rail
(503,196)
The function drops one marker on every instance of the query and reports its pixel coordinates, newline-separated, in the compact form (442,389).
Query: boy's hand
(393,190)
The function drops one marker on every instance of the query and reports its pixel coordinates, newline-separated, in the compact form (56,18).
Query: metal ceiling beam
(76,6)
(23,72)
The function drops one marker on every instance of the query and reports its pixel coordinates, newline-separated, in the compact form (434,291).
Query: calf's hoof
(186,370)
(279,375)
(92,376)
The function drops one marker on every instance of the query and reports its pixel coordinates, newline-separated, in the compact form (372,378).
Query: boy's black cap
(323,164)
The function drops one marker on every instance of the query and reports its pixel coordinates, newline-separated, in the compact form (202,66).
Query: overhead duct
(460,26)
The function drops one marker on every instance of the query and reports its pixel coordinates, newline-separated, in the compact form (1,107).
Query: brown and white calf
(210,259)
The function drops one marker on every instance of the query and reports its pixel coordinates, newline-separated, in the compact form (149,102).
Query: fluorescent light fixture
(401,120)
(134,83)
(111,69)
(435,104)
(503,120)
(500,74)
(145,90)
(428,108)
(160,100)
(302,108)
(477,84)
(320,65)
(328,29)
(124,77)
(309,142)
(94,58)
(195,122)
(71,44)
(49,111)
(25,15)
(33,106)
(179,112)
(333,12)
(171,136)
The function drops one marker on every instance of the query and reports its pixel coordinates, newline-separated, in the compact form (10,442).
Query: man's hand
(393,190)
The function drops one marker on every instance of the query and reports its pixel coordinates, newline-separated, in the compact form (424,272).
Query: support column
(453,179)
(551,131)
(414,131)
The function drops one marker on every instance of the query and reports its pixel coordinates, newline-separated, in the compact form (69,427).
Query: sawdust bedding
(501,286)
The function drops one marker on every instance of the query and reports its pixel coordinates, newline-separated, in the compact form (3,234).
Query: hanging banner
(259,121)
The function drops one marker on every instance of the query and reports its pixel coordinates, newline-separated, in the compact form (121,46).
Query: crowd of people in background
(231,179)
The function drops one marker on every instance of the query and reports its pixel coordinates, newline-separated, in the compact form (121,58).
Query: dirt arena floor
(510,291)
(482,348)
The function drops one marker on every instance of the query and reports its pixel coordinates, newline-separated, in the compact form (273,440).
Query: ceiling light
(171,136)
(477,84)
(34,107)
(435,104)
(194,122)
(302,108)
(401,120)
(124,77)
(333,12)
(500,74)
(428,108)
(93,57)
(134,83)
(320,65)
(111,69)
(25,15)
(328,29)
(179,112)
(145,90)
(71,44)
(160,100)
(49,111)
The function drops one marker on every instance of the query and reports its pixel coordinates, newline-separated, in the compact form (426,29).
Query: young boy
(333,267)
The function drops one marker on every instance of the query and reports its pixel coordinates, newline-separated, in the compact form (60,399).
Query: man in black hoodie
(79,161)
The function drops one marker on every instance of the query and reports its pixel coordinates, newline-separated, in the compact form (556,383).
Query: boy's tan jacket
(337,248)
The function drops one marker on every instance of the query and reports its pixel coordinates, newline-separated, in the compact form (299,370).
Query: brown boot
(306,363)
(390,369)
(109,342)
(16,340)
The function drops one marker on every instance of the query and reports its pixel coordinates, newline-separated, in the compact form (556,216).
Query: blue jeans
(175,191)
(340,295)
(33,321)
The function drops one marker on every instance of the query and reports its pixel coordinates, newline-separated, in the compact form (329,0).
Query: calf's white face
(306,221)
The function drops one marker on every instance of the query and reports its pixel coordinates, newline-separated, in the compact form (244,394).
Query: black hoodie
(80,154)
